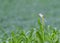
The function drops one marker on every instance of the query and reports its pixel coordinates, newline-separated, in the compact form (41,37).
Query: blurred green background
(24,13)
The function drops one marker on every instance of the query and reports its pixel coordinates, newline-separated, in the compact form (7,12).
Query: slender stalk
(43,28)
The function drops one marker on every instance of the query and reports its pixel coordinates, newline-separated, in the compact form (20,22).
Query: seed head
(41,15)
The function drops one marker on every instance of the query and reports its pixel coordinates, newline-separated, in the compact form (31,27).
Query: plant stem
(43,28)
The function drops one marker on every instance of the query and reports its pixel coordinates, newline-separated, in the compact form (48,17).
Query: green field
(40,34)
(23,14)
